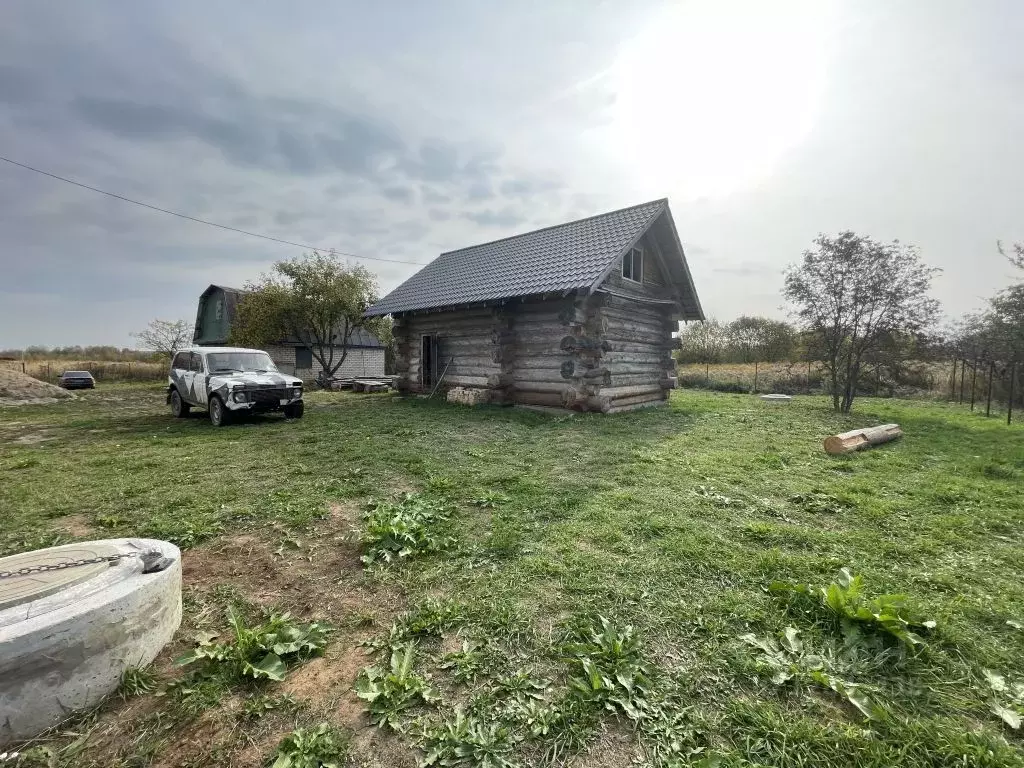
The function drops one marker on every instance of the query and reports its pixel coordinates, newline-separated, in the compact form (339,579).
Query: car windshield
(76,373)
(240,361)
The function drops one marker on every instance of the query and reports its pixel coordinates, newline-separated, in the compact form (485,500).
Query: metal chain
(62,566)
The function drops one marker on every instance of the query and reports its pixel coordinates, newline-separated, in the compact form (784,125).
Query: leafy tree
(756,339)
(997,333)
(317,299)
(702,342)
(854,294)
(166,336)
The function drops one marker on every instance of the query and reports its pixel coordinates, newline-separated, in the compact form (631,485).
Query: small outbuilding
(579,315)
(218,307)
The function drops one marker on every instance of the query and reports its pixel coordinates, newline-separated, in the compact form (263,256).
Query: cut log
(654,388)
(859,439)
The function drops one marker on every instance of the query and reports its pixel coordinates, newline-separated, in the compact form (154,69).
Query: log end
(837,445)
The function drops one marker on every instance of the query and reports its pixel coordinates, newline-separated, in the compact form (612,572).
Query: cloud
(399,194)
(527,187)
(433,196)
(249,133)
(480,190)
(17,86)
(506,217)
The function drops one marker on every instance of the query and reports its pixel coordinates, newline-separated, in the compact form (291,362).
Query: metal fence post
(988,402)
(1009,400)
(974,381)
(963,372)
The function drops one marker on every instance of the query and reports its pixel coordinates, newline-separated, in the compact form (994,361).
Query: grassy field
(919,380)
(526,530)
(103,371)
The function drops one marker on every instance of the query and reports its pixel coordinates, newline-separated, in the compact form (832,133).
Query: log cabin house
(579,315)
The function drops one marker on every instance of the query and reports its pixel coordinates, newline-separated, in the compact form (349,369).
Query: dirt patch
(316,576)
(33,438)
(616,748)
(326,684)
(17,387)
(77,526)
(211,732)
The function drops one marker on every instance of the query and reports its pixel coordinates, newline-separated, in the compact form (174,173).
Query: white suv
(230,380)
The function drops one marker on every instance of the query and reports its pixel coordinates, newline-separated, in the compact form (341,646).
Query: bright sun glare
(711,94)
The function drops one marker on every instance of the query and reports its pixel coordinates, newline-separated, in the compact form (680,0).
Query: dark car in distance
(77,380)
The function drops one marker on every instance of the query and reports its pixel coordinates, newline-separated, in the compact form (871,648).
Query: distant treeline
(745,340)
(100,353)
(751,339)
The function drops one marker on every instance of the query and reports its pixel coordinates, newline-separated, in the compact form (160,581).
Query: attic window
(633,265)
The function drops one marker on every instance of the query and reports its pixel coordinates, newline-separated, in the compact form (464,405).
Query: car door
(181,375)
(198,373)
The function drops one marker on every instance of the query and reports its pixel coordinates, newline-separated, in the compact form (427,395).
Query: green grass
(671,521)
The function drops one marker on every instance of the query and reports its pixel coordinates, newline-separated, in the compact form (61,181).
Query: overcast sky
(402,129)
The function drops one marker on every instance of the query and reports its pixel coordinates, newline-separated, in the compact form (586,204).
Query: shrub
(844,601)
(135,682)
(468,741)
(320,747)
(389,693)
(404,528)
(607,667)
(260,652)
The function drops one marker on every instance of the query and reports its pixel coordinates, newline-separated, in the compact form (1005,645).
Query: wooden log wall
(538,358)
(639,360)
(598,352)
(465,344)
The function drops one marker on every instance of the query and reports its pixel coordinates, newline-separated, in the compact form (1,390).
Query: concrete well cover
(67,635)
(22,589)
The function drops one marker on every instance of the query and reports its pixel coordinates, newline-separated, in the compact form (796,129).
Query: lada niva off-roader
(230,381)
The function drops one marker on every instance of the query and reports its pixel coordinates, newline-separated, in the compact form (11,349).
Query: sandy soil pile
(17,387)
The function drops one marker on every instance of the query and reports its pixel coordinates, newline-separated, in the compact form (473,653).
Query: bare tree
(853,295)
(166,336)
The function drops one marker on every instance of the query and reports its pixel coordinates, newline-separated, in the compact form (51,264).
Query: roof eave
(686,266)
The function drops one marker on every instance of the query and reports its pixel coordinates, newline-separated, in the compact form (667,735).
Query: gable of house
(217,307)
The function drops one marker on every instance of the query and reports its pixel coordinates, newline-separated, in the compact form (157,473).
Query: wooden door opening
(428,361)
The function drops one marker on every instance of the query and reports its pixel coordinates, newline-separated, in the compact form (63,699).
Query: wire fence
(50,370)
(983,383)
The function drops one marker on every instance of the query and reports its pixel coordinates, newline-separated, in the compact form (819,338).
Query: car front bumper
(260,402)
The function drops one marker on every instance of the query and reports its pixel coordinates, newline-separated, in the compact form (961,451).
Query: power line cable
(204,221)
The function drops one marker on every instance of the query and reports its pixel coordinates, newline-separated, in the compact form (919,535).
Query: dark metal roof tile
(563,257)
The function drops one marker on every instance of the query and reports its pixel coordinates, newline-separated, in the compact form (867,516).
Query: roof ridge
(554,226)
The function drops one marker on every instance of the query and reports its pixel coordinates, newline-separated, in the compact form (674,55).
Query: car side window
(197,363)
(181,361)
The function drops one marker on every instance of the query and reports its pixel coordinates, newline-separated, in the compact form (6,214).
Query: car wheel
(218,413)
(295,410)
(179,408)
